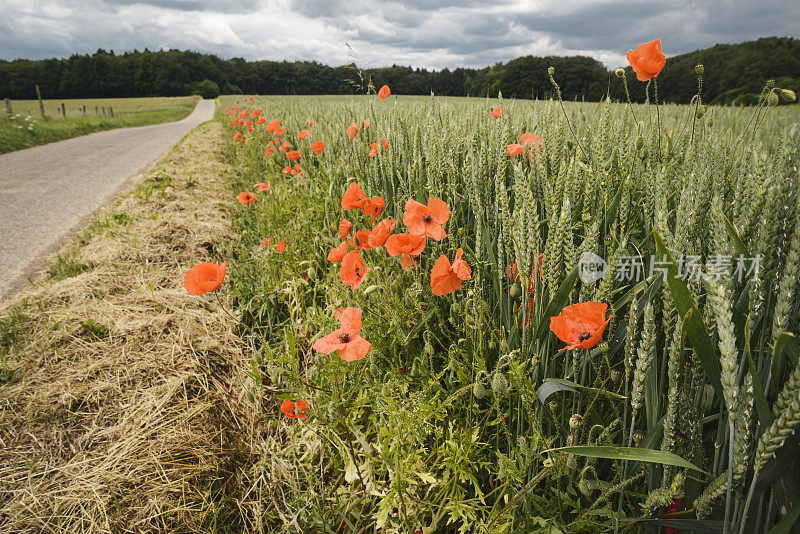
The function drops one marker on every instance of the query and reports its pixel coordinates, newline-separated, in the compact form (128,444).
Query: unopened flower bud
(788,95)
(772,99)
(499,384)
(701,110)
(551,71)
(620,73)
(478,390)
(698,69)
(516,291)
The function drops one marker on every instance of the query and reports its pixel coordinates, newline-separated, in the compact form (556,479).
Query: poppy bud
(371,289)
(499,384)
(257,357)
(492,345)
(576,421)
(551,71)
(698,69)
(250,396)
(772,99)
(620,73)
(516,291)
(478,390)
(701,110)
(788,95)
(311,273)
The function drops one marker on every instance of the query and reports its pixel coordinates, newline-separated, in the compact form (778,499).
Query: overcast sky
(421,33)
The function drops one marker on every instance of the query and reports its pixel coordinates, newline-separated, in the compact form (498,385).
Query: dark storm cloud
(421,33)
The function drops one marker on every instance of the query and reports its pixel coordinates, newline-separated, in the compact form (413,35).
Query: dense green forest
(733,74)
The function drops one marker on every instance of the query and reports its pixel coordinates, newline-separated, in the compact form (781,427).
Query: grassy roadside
(121,408)
(26,128)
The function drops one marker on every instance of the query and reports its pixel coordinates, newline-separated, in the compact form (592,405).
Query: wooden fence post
(39,96)
(8,108)
(84,111)
(63,111)
(111,111)
(104,111)
(95,111)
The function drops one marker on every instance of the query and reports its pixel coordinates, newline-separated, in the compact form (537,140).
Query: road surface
(48,191)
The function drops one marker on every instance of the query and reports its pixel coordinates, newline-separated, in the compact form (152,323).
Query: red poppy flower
(346,340)
(384,92)
(280,247)
(373,150)
(385,143)
(407,262)
(318,146)
(272,125)
(336,255)
(426,220)
(447,277)
(247,198)
(344,228)
(409,245)
(297,171)
(531,139)
(293,155)
(379,234)
(354,197)
(353,270)
(262,186)
(309,122)
(303,134)
(279,131)
(256,112)
(373,207)
(365,124)
(496,113)
(204,278)
(267,242)
(511,271)
(237,135)
(293,410)
(352,130)
(360,241)
(647,60)
(514,150)
(581,325)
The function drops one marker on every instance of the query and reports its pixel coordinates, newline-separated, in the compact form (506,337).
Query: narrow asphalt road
(46,192)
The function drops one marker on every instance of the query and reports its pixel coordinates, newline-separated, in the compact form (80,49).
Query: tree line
(733,74)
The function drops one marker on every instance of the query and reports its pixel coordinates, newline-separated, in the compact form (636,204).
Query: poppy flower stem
(221,305)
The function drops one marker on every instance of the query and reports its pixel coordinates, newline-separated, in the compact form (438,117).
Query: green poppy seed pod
(499,384)
(551,71)
(616,376)
(770,84)
(620,73)
(479,390)
(536,360)
(576,421)
(608,238)
(587,217)
(788,95)
(492,345)
(371,289)
(638,436)
(554,405)
(603,347)
(772,99)
(698,69)
(516,291)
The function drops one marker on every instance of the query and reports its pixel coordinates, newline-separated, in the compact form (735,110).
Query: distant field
(26,127)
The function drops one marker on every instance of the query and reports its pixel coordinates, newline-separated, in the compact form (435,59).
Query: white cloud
(449,33)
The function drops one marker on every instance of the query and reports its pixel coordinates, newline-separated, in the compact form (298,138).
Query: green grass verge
(26,128)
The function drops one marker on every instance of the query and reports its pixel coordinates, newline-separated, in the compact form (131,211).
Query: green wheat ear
(785,425)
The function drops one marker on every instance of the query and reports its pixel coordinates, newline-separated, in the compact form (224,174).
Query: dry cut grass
(121,404)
